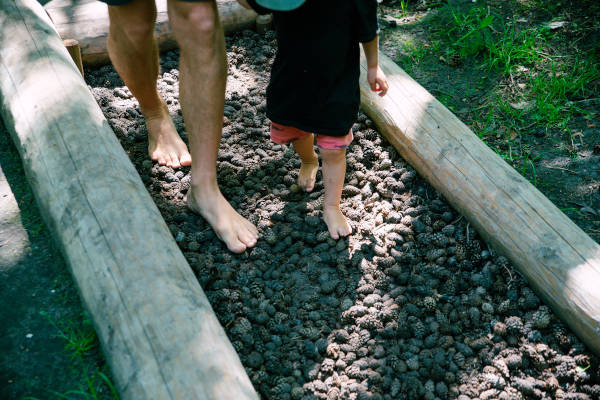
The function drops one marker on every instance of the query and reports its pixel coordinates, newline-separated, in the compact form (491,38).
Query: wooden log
(87,22)
(74,50)
(156,327)
(557,258)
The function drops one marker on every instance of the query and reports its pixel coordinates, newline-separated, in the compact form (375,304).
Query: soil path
(36,292)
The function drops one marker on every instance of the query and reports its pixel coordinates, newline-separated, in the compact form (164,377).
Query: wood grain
(74,50)
(87,22)
(156,327)
(557,258)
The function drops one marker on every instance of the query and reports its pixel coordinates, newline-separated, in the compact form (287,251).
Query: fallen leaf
(555,25)
(513,135)
(522,105)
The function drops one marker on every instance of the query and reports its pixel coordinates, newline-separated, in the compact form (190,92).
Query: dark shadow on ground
(36,282)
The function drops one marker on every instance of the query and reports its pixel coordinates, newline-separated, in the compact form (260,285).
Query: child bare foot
(336,222)
(164,143)
(236,231)
(308,175)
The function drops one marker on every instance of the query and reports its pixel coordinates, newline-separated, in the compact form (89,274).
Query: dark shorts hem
(116,2)
(123,2)
(308,127)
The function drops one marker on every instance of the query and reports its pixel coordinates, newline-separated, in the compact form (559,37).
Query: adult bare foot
(336,222)
(164,143)
(308,174)
(236,231)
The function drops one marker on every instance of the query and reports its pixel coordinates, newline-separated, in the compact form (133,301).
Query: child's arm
(375,75)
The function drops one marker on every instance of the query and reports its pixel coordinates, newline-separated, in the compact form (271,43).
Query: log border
(155,325)
(558,259)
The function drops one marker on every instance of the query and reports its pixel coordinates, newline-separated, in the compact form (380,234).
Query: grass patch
(557,89)
(411,56)
(81,342)
(514,49)
(541,85)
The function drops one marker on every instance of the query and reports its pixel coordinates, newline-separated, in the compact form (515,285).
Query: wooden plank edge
(581,314)
(91,232)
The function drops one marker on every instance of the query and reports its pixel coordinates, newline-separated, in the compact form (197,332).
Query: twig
(456,220)
(585,101)
(562,169)
(510,277)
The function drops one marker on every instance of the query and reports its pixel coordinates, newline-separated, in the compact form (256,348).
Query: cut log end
(74,50)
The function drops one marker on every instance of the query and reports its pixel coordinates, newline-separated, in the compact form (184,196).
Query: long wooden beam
(557,258)
(156,327)
(87,22)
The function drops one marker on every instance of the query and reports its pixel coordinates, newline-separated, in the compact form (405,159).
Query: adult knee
(137,25)
(139,31)
(195,22)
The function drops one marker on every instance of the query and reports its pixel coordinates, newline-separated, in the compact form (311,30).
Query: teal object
(280,5)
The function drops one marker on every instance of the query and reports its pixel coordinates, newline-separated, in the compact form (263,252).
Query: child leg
(334,171)
(310,162)
(303,143)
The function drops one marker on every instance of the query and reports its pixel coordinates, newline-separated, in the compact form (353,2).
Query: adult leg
(202,77)
(334,171)
(134,54)
(310,162)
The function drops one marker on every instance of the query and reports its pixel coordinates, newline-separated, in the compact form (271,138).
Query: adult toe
(334,234)
(175,161)
(186,159)
(248,238)
(233,243)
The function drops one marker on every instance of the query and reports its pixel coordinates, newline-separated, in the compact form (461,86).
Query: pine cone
(439,239)
(542,317)
(460,252)
(429,303)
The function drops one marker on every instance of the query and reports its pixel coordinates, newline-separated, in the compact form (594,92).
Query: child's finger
(383,87)
(373,85)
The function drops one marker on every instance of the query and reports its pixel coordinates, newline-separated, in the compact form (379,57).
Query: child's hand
(244,4)
(377,80)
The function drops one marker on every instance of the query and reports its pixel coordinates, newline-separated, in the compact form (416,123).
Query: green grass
(558,87)
(513,49)
(81,342)
(551,87)
(468,33)
(411,56)
(404,7)
(80,339)
(573,210)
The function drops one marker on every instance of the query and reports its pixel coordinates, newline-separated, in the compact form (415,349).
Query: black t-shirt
(314,79)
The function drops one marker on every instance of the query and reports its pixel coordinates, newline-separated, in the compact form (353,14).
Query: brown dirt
(36,292)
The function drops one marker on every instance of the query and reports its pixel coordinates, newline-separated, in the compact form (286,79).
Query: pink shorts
(282,134)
